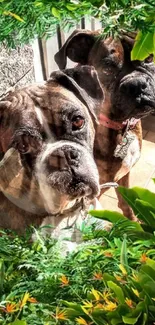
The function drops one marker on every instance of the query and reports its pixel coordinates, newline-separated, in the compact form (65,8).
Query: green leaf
(149,288)
(143,47)
(72,305)
(130,320)
(9,13)
(149,272)
(71,6)
(56,13)
(117,290)
(145,195)
(129,195)
(72,313)
(2,274)
(124,254)
(140,208)
(151,263)
(38,3)
(107,277)
(19,322)
(115,321)
(111,216)
(143,235)
(145,214)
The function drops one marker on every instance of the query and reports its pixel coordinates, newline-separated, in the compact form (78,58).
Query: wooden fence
(44,50)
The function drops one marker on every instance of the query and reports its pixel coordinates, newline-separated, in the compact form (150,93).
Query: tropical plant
(107,279)
(21,21)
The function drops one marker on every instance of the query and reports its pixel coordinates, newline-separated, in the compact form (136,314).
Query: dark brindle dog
(129,88)
(50,128)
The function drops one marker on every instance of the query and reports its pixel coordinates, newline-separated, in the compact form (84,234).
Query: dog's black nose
(133,87)
(72,155)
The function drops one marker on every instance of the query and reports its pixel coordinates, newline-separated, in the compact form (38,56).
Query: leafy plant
(107,279)
(21,21)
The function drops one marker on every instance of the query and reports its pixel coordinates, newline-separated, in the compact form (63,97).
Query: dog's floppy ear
(84,83)
(76,48)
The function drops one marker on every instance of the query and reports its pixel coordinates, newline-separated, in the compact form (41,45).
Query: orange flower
(110,306)
(99,306)
(106,295)
(32,300)
(98,276)
(121,280)
(129,302)
(11,308)
(82,321)
(143,258)
(64,281)
(60,314)
(107,254)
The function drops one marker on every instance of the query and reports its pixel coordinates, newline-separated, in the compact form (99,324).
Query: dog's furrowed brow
(70,108)
(25,130)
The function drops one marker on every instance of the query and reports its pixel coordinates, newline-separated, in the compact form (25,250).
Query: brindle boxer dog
(129,88)
(49,129)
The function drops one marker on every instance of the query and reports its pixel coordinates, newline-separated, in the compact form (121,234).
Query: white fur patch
(42,119)
(133,154)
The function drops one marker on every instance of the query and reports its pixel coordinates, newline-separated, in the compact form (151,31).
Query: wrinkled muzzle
(65,172)
(139,89)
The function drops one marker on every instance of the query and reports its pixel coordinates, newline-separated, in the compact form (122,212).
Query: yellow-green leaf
(37,4)
(9,13)
(56,12)
(130,320)
(144,46)
(19,322)
(117,290)
(71,7)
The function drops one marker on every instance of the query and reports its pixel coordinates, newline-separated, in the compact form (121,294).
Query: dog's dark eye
(77,122)
(112,51)
(149,59)
(26,144)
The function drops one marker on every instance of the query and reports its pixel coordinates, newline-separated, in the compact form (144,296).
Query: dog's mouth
(138,106)
(74,186)
(146,101)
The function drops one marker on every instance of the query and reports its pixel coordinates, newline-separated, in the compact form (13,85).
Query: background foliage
(107,279)
(21,21)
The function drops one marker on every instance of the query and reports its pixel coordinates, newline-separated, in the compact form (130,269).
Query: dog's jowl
(129,89)
(46,140)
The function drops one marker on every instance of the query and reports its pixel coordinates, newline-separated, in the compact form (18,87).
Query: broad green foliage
(22,21)
(144,46)
(109,278)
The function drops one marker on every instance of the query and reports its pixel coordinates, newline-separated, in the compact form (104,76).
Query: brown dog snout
(63,158)
(70,169)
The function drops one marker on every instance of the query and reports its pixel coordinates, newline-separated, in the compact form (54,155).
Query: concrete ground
(143,172)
